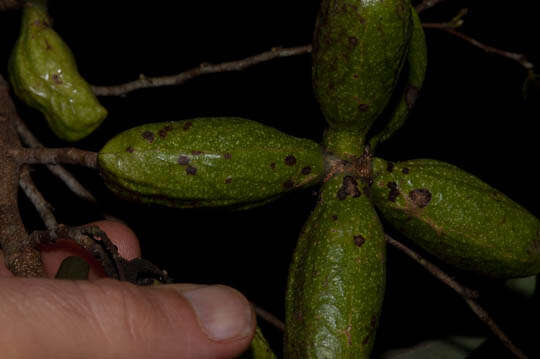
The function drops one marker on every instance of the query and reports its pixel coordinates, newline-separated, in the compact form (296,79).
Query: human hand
(104,318)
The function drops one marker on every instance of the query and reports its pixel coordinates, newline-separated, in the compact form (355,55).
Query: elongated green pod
(43,74)
(415,70)
(208,162)
(337,277)
(359,49)
(259,348)
(457,217)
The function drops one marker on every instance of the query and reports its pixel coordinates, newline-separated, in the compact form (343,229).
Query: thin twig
(64,175)
(67,155)
(34,195)
(269,317)
(467,294)
(205,68)
(426,4)
(449,27)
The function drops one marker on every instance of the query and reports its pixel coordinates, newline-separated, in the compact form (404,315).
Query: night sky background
(471,113)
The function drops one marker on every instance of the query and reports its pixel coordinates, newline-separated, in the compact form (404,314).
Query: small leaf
(259,348)
(73,268)
(446,348)
(522,286)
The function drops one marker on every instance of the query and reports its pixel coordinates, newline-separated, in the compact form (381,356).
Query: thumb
(105,318)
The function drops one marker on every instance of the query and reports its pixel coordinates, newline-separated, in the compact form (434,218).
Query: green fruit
(415,70)
(43,74)
(208,162)
(337,277)
(457,217)
(259,348)
(359,48)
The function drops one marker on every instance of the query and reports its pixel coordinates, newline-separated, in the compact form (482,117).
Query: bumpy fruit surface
(43,74)
(337,277)
(415,71)
(457,217)
(208,162)
(359,48)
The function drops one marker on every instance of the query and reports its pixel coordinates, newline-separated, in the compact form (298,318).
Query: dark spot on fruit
(149,136)
(130,149)
(349,187)
(405,171)
(359,240)
(57,79)
(227,156)
(334,217)
(228,180)
(411,94)
(196,153)
(183,160)
(190,170)
(306,170)
(273,165)
(373,321)
(355,76)
(389,166)
(288,184)
(420,197)
(366,339)
(394,192)
(363,107)
(187,126)
(367,191)
(163,132)
(290,160)
(353,41)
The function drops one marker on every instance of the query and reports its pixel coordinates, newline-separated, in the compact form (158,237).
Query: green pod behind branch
(43,74)
(259,348)
(359,49)
(337,277)
(208,162)
(415,71)
(457,217)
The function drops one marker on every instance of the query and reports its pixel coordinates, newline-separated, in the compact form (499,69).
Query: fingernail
(223,312)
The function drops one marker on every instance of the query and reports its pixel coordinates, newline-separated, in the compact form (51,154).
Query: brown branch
(205,68)
(67,155)
(426,4)
(21,257)
(467,294)
(450,27)
(269,317)
(64,175)
(10,4)
(34,195)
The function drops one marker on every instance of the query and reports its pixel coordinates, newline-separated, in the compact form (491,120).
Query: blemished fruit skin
(457,217)
(208,162)
(415,72)
(44,75)
(337,277)
(359,48)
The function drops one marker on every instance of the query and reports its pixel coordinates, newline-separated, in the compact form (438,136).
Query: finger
(121,235)
(104,319)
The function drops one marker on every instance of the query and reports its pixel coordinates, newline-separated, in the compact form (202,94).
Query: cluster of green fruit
(362,51)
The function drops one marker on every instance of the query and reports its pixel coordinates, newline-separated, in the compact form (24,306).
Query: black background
(471,113)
